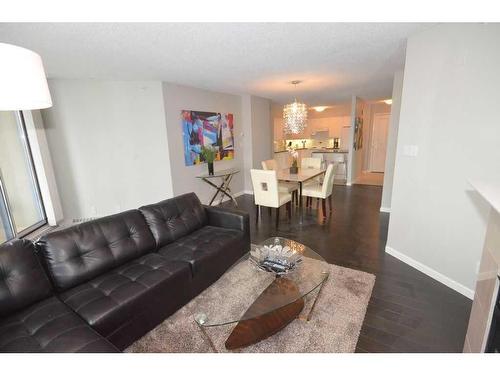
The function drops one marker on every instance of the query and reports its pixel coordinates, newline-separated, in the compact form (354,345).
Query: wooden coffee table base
(251,331)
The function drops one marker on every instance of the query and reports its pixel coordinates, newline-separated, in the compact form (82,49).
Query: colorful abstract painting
(207,129)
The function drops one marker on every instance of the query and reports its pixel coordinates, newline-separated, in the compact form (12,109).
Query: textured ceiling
(334,60)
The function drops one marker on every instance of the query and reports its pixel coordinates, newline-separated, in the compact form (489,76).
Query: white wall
(246,122)
(109,145)
(262,134)
(392,139)
(258,135)
(449,110)
(178,98)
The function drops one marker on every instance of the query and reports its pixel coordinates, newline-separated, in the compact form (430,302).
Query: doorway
(378,144)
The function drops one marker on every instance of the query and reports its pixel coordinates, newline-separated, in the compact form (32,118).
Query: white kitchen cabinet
(337,127)
(320,125)
(331,124)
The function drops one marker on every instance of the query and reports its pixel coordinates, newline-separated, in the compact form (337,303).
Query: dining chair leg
(289,210)
(330,201)
(277,216)
(256,213)
(317,203)
(323,206)
(270,211)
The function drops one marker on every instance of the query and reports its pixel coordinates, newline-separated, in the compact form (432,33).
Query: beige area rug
(334,326)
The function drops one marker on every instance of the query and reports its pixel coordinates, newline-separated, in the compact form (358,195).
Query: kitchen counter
(319,151)
(329,151)
(297,149)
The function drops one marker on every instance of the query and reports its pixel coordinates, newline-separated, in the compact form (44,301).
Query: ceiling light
(320,108)
(387,101)
(295,116)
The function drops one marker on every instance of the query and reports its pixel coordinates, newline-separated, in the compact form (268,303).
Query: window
(21,207)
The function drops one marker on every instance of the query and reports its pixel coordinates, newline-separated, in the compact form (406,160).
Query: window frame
(6,211)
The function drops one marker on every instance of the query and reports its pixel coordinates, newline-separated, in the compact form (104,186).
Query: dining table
(303,175)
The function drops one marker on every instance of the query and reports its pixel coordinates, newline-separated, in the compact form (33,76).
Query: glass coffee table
(263,299)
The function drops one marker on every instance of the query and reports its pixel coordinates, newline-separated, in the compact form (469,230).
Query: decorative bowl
(277,258)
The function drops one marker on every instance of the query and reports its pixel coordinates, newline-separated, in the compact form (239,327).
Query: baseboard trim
(469,293)
(385,209)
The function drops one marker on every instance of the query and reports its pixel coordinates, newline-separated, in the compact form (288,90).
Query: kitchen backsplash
(303,143)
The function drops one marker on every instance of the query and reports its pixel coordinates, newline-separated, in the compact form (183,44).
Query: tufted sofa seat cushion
(115,299)
(50,326)
(174,218)
(209,251)
(82,252)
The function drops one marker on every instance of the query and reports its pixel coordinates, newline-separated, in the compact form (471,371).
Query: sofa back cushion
(22,278)
(174,218)
(80,253)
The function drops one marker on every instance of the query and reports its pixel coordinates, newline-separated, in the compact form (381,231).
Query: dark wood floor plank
(408,311)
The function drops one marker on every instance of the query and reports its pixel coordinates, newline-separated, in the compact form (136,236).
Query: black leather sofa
(115,278)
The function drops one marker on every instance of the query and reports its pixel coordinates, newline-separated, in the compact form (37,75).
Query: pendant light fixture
(295,115)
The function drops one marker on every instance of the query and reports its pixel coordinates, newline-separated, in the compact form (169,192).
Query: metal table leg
(229,190)
(222,189)
(300,203)
(309,314)
(225,188)
(200,320)
(207,337)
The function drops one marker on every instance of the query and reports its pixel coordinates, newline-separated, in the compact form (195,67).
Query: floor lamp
(23,86)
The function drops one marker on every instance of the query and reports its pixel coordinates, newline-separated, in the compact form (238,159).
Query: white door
(379,142)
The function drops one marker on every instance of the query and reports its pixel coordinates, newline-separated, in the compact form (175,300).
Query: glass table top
(246,291)
(302,175)
(220,173)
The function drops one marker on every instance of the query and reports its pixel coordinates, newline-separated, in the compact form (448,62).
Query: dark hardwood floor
(408,311)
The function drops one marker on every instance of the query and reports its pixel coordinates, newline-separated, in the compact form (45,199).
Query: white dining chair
(319,156)
(266,193)
(314,163)
(284,187)
(321,191)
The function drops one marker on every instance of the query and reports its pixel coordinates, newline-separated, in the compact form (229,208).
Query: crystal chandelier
(295,116)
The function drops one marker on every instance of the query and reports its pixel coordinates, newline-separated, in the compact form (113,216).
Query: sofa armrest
(228,218)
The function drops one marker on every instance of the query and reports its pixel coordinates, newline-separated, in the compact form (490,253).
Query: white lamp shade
(23,84)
